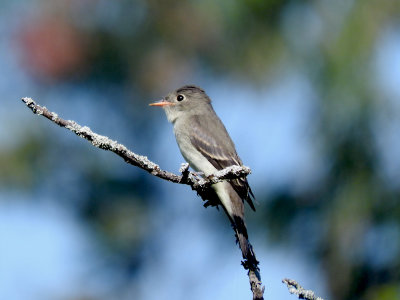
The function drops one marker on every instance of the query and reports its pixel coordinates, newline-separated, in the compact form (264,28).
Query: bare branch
(256,286)
(105,143)
(295,288)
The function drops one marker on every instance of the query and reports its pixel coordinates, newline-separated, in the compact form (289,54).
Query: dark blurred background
(310,93)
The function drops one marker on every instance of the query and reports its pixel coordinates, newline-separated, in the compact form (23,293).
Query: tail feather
(233,205)
(250,261)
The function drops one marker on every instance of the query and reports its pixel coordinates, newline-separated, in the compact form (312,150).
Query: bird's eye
(180,97)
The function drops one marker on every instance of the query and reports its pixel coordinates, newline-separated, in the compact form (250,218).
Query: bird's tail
(234,208)
(249,258)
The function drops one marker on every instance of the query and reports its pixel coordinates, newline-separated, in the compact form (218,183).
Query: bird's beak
(162,102)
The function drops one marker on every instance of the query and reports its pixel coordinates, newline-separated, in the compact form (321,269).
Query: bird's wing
(203,137)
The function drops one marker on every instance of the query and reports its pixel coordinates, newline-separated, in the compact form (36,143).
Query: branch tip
(296,289)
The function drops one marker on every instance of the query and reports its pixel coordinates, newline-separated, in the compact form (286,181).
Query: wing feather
(205,140)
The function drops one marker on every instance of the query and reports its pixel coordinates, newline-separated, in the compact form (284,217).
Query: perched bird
(207,147)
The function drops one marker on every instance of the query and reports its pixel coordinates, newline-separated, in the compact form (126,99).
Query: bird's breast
(196,160)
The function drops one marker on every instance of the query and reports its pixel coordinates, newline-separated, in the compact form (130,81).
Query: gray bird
(207,147)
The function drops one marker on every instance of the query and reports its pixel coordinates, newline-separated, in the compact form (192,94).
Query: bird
(206,145)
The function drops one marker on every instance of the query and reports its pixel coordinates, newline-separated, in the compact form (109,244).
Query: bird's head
(185,101)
